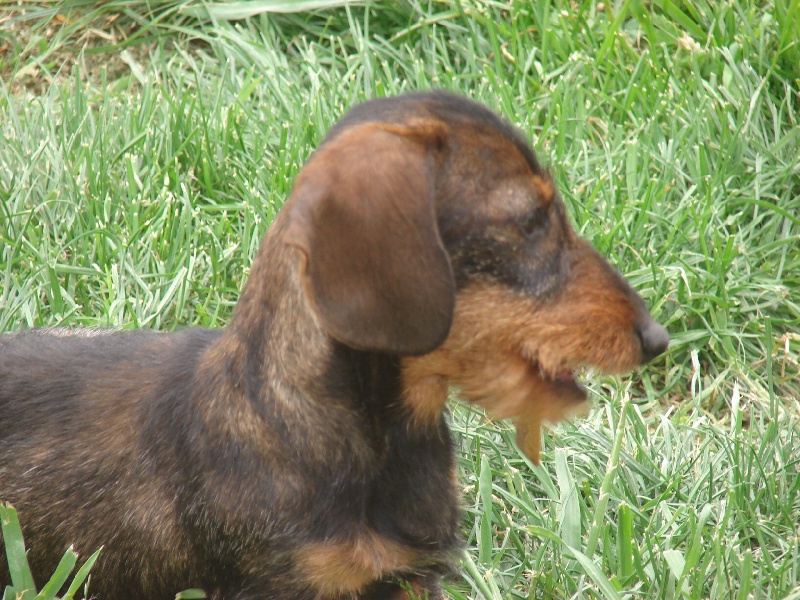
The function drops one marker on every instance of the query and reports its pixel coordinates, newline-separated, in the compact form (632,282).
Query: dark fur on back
(302,452)
(123,448)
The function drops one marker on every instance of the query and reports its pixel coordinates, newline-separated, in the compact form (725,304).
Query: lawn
(145,147)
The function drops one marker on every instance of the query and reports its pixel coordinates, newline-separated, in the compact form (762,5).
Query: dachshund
(303,452)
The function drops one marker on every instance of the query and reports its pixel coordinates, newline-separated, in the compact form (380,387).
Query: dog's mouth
(525,385)
(565,379)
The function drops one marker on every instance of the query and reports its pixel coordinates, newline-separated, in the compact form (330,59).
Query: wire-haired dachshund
(302,451)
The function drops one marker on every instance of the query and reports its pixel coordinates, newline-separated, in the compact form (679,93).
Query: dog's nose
(654,338)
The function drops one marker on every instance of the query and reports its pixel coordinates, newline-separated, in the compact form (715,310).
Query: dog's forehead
(514,197)
(493,170)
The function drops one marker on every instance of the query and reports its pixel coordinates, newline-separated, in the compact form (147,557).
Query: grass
(22,585)
(146,146)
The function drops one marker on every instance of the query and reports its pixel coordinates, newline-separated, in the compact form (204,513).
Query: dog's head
(425,227)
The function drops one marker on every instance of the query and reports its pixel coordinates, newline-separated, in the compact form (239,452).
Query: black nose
(654,338)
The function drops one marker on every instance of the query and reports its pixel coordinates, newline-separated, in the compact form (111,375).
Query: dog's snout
(653,337)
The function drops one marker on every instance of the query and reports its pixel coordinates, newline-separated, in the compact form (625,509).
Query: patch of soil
(40,45)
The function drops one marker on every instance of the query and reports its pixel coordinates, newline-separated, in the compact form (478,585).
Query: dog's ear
(372,262)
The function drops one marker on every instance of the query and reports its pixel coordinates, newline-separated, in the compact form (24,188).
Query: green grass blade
(81,575)
(59,576)
(625,542)
(21,578)
(569,514)
(677,566)
(234,11)
(192,594)
(478,579)
(485,489)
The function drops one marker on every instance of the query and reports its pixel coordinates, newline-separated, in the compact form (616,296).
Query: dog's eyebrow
(544,187)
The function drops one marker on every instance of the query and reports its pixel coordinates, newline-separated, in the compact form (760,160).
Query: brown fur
(347,567)
(300,452)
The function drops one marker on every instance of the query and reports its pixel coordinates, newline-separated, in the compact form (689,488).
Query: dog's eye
(533,221)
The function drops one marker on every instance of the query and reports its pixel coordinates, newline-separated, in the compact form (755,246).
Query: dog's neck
(272,323)
(279,359)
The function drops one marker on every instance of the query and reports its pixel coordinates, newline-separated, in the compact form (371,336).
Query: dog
(302,451)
